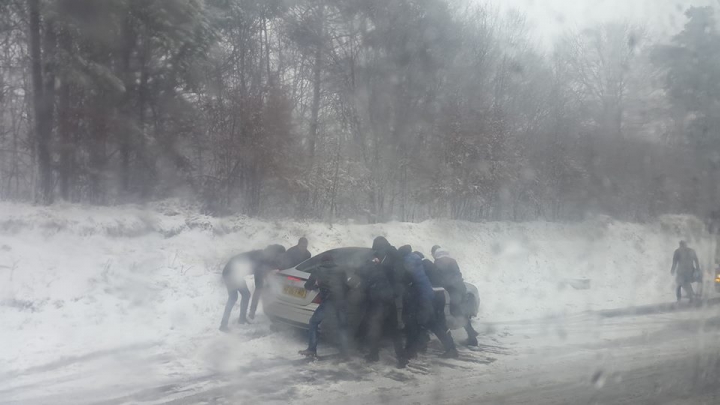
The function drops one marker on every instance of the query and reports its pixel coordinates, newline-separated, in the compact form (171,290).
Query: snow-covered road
(662,358)
(121,305)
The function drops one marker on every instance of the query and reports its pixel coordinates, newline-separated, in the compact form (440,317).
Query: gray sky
(550,18)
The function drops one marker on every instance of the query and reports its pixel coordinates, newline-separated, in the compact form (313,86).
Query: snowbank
(76,280)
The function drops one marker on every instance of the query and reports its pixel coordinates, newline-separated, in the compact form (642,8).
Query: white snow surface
(78,282)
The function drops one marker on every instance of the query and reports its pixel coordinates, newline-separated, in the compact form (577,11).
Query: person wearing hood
(420,309)
(381,315)
(391,262)
(296,254)
(253,262)
(439,303)
(331,282)
(451,279)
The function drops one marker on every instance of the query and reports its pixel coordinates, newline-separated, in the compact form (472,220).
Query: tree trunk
(67,150)
(267,51)
(49,71)
(317,70)
(97,151)
(66,144)
(127,75)
(333,192)
(42,97)
(142,101)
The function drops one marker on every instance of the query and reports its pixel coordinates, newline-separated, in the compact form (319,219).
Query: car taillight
(291,278)
(317,299)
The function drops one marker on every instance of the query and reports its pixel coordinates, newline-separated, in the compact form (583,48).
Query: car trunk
(290,285)
(291,282)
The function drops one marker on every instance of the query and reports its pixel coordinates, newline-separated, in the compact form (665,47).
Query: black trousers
(382,320)
(471,332)
(420,317)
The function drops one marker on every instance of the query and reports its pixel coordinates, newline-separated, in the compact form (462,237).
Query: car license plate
(294,291)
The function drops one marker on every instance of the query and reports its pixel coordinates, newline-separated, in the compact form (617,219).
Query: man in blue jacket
(419,310)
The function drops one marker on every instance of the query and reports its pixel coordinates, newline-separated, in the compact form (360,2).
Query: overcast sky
(549,18)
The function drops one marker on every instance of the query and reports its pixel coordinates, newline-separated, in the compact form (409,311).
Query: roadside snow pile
(78,280)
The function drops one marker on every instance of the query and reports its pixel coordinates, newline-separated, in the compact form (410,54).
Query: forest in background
(372,110)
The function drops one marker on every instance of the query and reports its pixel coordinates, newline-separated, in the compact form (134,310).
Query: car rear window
(348,258)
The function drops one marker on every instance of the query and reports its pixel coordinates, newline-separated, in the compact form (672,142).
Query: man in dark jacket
(420,310)
(686,269)
(451,279)
(296,254)
(253,262)
(381,309)
(439,303)
(430,270)
(391,262)
(330,280)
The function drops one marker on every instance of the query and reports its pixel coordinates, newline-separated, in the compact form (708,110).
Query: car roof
(353,256)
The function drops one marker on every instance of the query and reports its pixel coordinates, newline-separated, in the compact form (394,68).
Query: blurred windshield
(556,161)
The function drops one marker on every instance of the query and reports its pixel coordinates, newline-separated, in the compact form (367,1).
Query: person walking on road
(330,280)
(685,268)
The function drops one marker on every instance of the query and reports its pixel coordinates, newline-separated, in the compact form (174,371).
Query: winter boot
(472,341)
(423,343)
(402,363)
(308,353)
(450,354)
(343,358)
(224,328)
(372,357)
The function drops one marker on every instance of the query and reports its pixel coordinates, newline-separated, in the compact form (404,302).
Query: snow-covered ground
(81,283)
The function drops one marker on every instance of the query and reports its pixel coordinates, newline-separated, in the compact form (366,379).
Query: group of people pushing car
(398,286)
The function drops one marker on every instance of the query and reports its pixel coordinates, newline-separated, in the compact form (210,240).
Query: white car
(286,300)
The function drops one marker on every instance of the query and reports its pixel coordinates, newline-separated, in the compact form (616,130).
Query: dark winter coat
(391,262)
(418,306)
(421,290)
(377,284)
(330,280)
(294,256)
(685,262)
(273,255)
(432,273)
(255,257)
